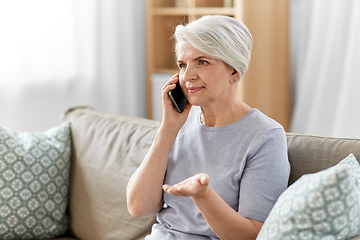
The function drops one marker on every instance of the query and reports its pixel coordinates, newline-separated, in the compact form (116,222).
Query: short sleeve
(265,176)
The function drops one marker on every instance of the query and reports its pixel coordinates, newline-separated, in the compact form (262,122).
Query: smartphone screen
(178,98)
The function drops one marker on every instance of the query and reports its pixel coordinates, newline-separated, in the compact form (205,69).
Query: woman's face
(203,79)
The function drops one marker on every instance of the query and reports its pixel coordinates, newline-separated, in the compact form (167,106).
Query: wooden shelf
(192,11)
(209,11)
(170,11)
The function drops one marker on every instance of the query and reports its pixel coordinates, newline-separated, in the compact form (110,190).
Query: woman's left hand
(223,220)
(193,186)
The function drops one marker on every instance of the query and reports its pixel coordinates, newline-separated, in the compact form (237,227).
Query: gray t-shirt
(248,167)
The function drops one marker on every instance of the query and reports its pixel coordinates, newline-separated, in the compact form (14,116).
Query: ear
(235,75)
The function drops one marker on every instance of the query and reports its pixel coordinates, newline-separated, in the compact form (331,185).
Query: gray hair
(221,37)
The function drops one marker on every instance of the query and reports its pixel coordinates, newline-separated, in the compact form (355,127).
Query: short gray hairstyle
(221,37)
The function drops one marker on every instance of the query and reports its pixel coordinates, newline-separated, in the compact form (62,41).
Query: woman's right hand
(170,116)
(144,190)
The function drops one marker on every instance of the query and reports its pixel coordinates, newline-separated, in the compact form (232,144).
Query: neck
(220,116)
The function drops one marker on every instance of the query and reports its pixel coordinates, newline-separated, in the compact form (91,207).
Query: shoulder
(261,121)
(261,127)
(265,134)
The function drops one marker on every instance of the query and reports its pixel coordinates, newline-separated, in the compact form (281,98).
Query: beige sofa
(106,150)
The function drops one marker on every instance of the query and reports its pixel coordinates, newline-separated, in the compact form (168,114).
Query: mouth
(192,90)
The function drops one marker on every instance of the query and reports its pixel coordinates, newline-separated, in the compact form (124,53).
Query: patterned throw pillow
(34,180)
(354,167)
(323,205)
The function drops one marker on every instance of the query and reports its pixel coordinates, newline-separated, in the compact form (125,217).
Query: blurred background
(61,53)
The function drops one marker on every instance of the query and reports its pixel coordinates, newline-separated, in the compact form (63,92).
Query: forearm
(144,190)
(223,220)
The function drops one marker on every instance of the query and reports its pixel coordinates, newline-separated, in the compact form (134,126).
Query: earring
(233,80)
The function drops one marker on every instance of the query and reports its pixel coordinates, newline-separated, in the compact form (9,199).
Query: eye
(202,62)
(181,65)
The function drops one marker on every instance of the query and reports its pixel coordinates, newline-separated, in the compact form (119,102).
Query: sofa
(106,149)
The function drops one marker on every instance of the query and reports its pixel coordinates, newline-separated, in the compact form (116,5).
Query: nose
(190,73)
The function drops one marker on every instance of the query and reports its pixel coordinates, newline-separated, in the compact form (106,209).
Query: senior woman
(214,173)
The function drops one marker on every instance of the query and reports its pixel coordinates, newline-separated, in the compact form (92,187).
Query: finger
(173,80)
(171,190)
(204,179)
(171,84)
(168,188)
(168,88)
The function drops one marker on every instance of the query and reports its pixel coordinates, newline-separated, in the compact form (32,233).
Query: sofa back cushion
(310,154)
(106,151)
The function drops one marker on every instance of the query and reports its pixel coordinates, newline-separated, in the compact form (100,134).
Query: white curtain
(61,53)
(325,66)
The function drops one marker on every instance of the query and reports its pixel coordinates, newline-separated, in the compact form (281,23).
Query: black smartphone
(178,98)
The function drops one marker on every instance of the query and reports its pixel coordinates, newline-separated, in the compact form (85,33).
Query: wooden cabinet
(162,18)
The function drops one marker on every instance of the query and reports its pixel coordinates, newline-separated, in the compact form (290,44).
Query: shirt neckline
(204,127)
